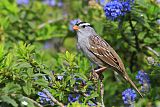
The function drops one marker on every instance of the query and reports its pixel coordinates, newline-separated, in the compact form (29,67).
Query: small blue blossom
(89,89)
(143,80)
(80,80)
(59,77)
(91,104)
(72,23)
(44,99)
(126,7)
(116,8)
(158,21)
(47,45)
(73,99)
(60,3)
(131,1)
(129,96)
(142,77)
(158,1)
(50,2)
(101,2)
(22,2)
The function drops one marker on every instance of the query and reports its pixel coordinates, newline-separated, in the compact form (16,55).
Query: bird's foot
(94,76)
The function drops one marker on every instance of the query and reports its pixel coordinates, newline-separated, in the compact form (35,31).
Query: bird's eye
(83,26)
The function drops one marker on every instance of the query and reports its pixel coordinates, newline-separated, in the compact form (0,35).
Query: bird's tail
(133,85)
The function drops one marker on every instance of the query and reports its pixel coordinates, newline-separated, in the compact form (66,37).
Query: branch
(101,90)
(50,22)
(152,50)
(34,102)
(52,98)
(27,98)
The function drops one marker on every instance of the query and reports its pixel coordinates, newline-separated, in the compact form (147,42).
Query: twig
(102,90)
(27,98)
(52,98)
(85,95)
(132,60)
(37,104)
(100,75)
(50,21)
(155,52)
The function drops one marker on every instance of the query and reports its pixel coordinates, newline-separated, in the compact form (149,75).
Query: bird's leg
(97,73)
(100,70)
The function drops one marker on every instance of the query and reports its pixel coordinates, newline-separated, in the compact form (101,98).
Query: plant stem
(134,33)
(52,98)
(102,90)
(152,50)
(34,102)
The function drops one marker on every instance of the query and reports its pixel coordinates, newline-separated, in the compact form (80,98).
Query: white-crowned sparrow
(99,51)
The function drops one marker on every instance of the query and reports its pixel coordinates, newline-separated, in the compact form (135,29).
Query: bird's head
(83,28)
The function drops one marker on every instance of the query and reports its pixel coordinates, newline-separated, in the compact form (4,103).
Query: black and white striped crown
(83,24)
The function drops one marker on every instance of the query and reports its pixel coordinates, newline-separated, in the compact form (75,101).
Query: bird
(99,52)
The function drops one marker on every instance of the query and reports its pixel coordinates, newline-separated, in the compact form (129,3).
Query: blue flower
(50,2)
(22,1)
(72,23)
(60,3)
(59,77)
(142,77)
(129,96)
(101,2)
(80,81)
(113,9)
(73,99)
(143,80)
(158,1)
(47,45)
(117,8)
(158,21)
(44,99)
(91,104)
(126,7)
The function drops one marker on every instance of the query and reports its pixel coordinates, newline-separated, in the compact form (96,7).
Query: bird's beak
(75,27)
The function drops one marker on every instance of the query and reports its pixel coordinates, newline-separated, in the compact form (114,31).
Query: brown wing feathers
(103,50)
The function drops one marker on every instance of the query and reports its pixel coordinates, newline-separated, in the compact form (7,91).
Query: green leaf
(141,35)
(81,75)
(9,100)
(72,82)
(67,55)
(11,88)
(93,95)
(77,104)
(27,88)
(9,59)
(1,51)
(41,82)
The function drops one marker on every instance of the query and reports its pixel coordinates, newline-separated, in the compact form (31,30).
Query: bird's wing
(106,53)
